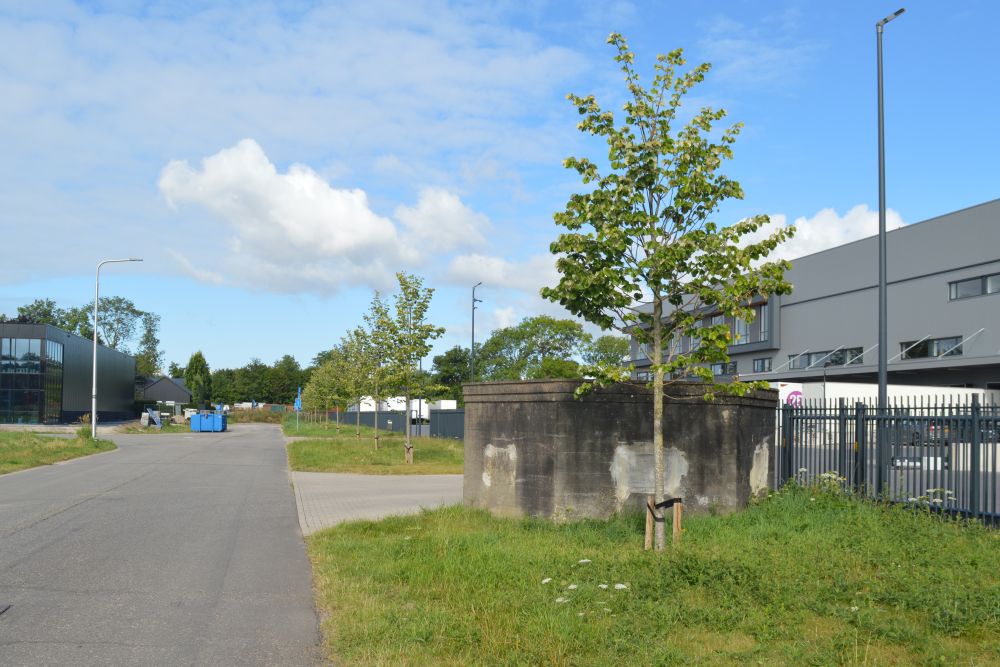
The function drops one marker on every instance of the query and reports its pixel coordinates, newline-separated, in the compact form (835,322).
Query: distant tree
(198,379)
(175,370)
(552,368)
(641,232)
(326,387)
(224,386)
(118,321)
(149,357)
(517,353)
(286,377)
(450,370)
(252,382)
(607,351)
(43,311)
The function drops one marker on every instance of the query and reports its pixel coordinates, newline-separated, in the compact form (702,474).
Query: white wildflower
(583,561)
(602,586)
(854,608)
(571,587)
(546,580)
(619,587)
(560,600)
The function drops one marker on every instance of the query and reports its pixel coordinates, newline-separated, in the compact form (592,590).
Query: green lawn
(329,452)
(23,449)
(806,578)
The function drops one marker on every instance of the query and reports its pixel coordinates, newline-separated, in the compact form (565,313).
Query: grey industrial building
(943,310)
(46,376)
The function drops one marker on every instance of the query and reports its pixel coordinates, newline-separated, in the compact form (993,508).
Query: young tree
(198,379)
(149,357)
(380,339)
(118,320)
(642,232)
(412,339)
(357,370)
(325,387)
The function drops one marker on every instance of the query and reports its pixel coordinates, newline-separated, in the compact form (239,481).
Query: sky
(274,163)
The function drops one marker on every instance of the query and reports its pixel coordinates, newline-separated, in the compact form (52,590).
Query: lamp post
(97,298)
(472,350)
(883,338)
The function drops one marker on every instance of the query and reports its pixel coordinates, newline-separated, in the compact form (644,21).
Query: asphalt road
(173,550)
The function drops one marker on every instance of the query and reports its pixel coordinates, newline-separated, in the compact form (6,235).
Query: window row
(963,289)
(931,347)
(843,357)
(742,332)
(24,355)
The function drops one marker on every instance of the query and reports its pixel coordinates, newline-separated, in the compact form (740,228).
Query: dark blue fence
(941,454)
(443,423)
(448,424)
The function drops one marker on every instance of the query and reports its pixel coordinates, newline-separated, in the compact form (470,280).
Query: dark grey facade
(166,389)
(46,376)
(943,308)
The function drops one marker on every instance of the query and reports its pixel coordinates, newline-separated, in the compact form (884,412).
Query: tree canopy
(642,233)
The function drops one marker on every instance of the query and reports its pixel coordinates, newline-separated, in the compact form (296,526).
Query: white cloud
(529,275)
(293,231)
(441,219)
(826,230)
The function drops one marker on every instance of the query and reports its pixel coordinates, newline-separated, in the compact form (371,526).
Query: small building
(46,376)
(165,390)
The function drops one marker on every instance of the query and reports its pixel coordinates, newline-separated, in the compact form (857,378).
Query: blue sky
(273,163)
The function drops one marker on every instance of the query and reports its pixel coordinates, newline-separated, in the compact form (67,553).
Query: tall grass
(23,449)
(809,577)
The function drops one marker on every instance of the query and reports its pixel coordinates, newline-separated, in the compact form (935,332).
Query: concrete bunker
(533,449)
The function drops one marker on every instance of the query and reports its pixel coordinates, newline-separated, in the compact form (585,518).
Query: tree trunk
(660,538)
(357,431)
(407,444)
(376,423)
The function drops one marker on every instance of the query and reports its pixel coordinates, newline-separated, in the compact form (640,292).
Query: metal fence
(448,424)
(443,423)
(940,453)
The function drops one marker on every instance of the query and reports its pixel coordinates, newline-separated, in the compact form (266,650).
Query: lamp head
(897,13)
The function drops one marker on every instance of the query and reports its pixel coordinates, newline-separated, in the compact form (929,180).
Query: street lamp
(97,298)
(472,350)
(883,339)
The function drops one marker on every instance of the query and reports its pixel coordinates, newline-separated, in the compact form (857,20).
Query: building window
(964,289)
(762,365)
(724,369)
(934,347)
(842,357)
(763,316)
(741,331)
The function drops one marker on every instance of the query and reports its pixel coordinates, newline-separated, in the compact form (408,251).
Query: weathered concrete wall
(531,448)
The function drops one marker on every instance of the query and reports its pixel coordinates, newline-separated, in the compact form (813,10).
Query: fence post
(786,443)
(842,436)
(974,467)
(860,467)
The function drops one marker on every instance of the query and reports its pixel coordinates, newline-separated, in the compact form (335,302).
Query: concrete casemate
(533,449)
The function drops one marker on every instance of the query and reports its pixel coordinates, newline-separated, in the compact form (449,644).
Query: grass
(133,429)
(23,449)
(325,450)
(805,578)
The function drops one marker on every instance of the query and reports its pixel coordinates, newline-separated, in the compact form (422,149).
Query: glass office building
(46,376)
(31,381)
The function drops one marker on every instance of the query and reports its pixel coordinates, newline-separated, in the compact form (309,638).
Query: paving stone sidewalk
(325,499)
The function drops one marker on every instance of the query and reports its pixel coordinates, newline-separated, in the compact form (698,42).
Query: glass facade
(31,378)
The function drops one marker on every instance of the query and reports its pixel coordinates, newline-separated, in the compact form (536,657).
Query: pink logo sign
(794,399)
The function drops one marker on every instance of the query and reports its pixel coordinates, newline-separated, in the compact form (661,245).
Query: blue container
(208,422)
